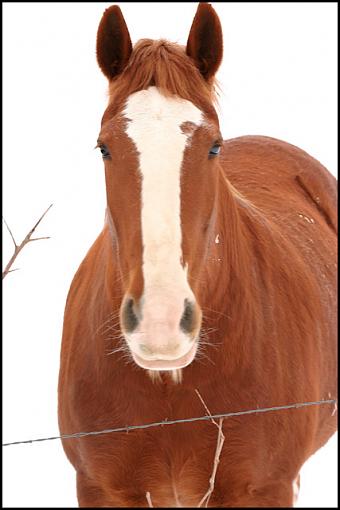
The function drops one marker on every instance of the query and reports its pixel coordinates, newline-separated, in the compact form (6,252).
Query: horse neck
(229,251)
(232,300)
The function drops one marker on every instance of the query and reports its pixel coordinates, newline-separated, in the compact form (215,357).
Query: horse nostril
(187,320)
(129,317)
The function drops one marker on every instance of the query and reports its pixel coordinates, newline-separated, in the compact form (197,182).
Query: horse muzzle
(162,334)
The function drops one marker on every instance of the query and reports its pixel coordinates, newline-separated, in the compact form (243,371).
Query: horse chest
(180,481)
(174,465)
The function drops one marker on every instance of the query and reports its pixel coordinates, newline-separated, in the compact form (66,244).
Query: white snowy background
(279,78)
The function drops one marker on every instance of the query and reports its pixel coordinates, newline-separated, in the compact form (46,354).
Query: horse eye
(104,151)
(215,150)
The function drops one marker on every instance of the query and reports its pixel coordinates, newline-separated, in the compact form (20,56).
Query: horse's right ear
(114,45)
(205,44)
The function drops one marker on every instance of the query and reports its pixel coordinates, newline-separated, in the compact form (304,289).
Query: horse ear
(205,42)
(114,45)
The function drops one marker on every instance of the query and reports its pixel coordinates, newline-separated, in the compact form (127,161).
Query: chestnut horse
(215,271)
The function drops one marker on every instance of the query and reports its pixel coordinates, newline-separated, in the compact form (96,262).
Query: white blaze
(155,128)
(154,125)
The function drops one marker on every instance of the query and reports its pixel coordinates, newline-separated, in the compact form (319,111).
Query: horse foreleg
(91,495)
(280,494)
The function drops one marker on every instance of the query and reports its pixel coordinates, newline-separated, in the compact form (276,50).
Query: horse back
(278,177)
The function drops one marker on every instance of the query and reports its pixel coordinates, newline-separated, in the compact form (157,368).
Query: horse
(210,289)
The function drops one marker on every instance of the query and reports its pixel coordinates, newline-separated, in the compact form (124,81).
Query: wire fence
(128,428)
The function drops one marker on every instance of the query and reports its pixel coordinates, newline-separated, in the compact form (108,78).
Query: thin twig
(39,238)
(9,230)
(219,446)
(335,409)
(18,248)
(148,499)
(206,408)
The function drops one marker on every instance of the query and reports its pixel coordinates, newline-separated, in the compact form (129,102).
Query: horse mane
(165,65)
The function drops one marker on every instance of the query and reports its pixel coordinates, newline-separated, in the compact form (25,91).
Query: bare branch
(219,446)
(148,498)
(18,248)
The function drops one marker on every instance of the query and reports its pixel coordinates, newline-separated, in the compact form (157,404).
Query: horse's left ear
(205,42)
(114,45)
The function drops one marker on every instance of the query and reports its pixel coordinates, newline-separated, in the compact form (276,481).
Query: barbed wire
(127,428)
